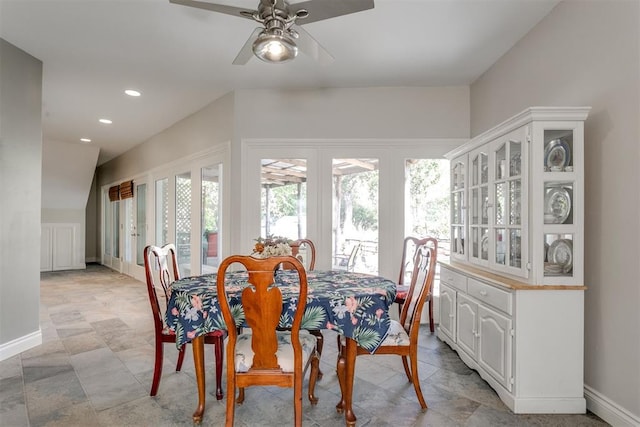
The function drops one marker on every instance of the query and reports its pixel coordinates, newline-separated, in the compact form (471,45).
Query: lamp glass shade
(274,48)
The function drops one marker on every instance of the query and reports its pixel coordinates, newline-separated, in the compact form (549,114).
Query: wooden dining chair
(263,355)
(308,260)
(402,338)
(306,247)
(406,268)
(161,263)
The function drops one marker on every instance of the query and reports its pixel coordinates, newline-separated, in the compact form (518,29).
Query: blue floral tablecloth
(353,304)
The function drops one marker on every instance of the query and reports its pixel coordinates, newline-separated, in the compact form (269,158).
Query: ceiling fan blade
(229,10)
(310,46)
(246,52)
(325,9)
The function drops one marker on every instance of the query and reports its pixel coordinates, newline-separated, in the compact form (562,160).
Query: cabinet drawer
(451,278)
(490,295)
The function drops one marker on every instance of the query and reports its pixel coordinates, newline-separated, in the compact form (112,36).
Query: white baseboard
(21,344)
(91,259)
(609,411)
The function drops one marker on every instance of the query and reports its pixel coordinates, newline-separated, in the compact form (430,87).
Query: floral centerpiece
(271,246)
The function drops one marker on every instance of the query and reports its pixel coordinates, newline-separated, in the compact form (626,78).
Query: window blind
(114,193)
(126,190)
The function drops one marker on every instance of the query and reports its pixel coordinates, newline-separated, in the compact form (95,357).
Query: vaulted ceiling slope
(67,172)
(180,58)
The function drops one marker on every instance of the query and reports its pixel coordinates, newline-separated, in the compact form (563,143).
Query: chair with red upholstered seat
(406,269)
(161,268)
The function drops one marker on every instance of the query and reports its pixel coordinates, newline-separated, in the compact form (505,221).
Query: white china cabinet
(512,294)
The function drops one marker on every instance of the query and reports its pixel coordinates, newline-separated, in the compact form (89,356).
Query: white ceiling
(180,57)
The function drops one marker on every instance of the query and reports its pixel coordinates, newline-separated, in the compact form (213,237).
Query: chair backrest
(305,251)
(163,262)
(262,304)
(409,251)
(351,262)
(420,289)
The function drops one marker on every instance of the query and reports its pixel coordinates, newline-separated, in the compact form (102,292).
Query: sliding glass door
(111,231)
(134,231)
(355,215)
(210,216)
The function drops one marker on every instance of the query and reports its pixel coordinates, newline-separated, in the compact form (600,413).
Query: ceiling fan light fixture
(275,47)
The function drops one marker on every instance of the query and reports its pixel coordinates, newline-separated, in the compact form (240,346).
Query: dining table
(355,305)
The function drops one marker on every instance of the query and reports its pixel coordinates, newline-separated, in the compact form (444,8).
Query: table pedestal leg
(198,362)
(345,371)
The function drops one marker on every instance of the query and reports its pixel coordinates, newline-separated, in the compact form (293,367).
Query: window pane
(183,223)
(355,215)
(427,198)
(284,198)
(211,197)
(162,211)
(129,230)
(107,223)
(141,222)
(116,228)
(427,204)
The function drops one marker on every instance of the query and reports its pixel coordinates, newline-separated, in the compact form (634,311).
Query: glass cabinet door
(458,207)
(558,206)
(508,215)
(479,205)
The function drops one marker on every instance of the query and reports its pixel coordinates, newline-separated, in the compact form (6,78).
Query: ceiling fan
(280,37)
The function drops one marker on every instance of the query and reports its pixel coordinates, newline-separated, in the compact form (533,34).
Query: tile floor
(94,368)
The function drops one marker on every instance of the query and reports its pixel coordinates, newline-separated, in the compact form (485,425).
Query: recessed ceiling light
(132,92)
(105,121)
(85,140)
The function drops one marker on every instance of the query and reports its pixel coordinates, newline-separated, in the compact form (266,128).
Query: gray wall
(92,219)
(588,53)
(20,170)
(388,112)
(203,129)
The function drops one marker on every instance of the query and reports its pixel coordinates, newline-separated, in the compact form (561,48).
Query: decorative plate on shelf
(484,246)
(557,202)
(546,251)
(561,253)
(557,154)
(550,268)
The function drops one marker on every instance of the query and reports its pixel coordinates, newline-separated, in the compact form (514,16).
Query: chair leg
(431,325)
(297,400)
(219,354)
(416,378)
(405,364)
(240,399)
(231,405)
(181,357)
(157,367)
(340,373)
(320,340)
(313,377)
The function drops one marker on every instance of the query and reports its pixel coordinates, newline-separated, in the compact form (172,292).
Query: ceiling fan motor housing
(274,40)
